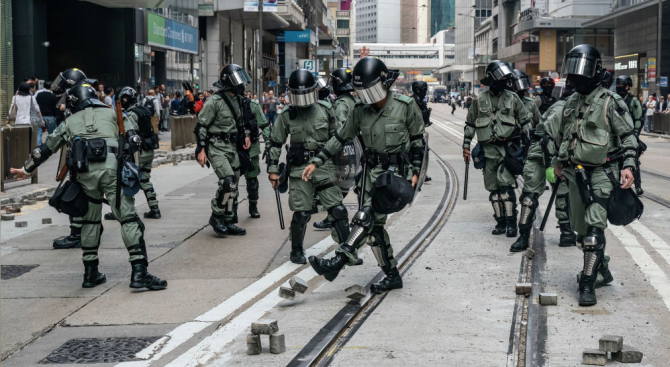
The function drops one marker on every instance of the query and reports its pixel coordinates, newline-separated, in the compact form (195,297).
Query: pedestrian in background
(165,105)
(101,93)
(47,101)
(175,105)
(271,103)
(152,103)
(27,110)
(453,104)
(109,93)
(651,107)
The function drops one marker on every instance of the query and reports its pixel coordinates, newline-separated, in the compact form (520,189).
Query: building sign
(548,50)
(172,35)
(305,36)
(626,64)
(308,64)
(664,81)
(343,32)
(345,4)
(342,15)
(268,5)
(651,68)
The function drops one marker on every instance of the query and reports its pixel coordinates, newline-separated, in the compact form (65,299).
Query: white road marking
(448,129)
(649,268)
(654,240)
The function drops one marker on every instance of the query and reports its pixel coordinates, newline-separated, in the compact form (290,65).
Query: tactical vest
(546,103)
(496,123)
(587,135)
(312,134)
(145,129)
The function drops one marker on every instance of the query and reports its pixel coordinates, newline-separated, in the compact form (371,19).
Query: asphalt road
(457,308)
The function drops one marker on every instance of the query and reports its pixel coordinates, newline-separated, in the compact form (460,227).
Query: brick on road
(254,345)
(627,354)
(286,293)
(594,357)
(524,288)
(548,299)
(46,220)
(264,327)
(356,292)
(610,343)
(21,224)
(297,284)
(277,343)
(8,217)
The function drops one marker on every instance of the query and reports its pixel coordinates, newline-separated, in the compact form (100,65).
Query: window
(343,23)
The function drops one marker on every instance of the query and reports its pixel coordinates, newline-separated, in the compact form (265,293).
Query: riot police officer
(309,122)
(596,138)
(521,84)
(545,99)
(91,136)
(258,121)
(607,80)
(392,130)
(220,125)
(499,119)
(623,85)
(140,116)
(419,91)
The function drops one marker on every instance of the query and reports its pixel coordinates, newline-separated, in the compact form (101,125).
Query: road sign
(272,83)
(664,82)
(309,65)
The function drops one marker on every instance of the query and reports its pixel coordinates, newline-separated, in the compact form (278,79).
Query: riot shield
(347,164)
(424,165)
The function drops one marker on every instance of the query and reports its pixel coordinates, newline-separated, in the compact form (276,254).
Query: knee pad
(528,206)
(509,199)
(227,184)
(496,202)
(339,212)
(494,196)
(594,240)
(363,218)
(301,218)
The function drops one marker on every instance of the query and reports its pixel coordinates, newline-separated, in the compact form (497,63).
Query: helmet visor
(60,84)
(322,82)
(373,93)
(304,99)
(501,71)
(580,65)
(521,83)
(239,77)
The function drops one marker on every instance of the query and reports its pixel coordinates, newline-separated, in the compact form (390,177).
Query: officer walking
(93,124)
(498,118)
(521,84)
(309,122)
(623,85)
(607,80)
(392,130)
(255,110)
(545,99)
(419,91)
(220,125)
(599,131)
(140,116)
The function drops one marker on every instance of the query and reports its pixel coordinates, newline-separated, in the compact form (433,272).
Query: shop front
(635,66)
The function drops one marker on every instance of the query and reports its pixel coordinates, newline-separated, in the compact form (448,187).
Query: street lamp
(473,46)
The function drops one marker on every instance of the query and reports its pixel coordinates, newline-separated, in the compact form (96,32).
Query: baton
(551,202)
(364,179)
(467,170)
(279,210)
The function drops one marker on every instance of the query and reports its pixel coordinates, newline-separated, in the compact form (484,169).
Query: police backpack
(623,205)
(390,193)
(478,157)
(145,128)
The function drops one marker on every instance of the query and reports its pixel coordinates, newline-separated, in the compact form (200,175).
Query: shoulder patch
(402,98)
(326,104)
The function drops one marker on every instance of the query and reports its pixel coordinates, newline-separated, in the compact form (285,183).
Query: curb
(653,135)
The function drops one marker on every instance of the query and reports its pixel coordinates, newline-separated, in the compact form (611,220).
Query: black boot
(604,272)
(218,226)
(153,213)
(253,210)
(109,216)
(140,278)
(393,280)
(298,230)
(298,255)
(92,276)
(594,253)
(328,268)
(511,228)
(427,179)
(521,243)
(639,191)
(234,230)
(501,226)
(71,241)
(568,237)
(324,224)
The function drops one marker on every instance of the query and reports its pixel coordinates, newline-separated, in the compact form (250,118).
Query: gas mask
(621,90)
(583,85)
(547,91)
(500,85)
(238,89)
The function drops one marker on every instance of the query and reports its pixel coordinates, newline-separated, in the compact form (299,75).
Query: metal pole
(658,52)
(473,56)
(259,52)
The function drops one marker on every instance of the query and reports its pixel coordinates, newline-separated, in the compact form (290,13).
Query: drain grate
(105,350)
(15,271)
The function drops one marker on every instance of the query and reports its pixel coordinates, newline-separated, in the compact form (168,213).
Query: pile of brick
(297,285)
(611,347)
(265,327)
(12,205)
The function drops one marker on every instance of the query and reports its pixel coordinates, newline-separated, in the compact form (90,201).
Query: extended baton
(551,202)
(465,185)
(279,210)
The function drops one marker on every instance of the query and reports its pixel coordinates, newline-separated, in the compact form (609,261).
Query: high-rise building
(442,15)
(377,21)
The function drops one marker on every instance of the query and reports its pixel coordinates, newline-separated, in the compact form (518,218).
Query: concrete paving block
(264,327)
(175,163)
(610,343)
(548,299)
(298,284)
(524,288)
(530,253)
(46,220)
(177,158)
(8,217)
(17,206)
(254,345)
(594,357)
(192,156)
(356,292)
(154,164)
(21,224)
(286,293)
(41,198)
(627,354)
(30,201)
(277,344)
(4,201)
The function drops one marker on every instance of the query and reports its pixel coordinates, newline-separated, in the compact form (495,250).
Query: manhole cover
(14,271)
(105,350)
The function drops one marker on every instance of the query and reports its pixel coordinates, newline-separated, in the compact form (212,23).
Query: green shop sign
(167,33)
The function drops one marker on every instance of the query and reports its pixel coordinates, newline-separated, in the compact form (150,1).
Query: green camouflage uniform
(395,128)
(218,138)
(100,181)
(255,152)
(494,118)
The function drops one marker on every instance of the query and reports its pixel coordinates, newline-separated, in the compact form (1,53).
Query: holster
(296,154)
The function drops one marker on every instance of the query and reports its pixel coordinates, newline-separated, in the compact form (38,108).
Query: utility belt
(150,143)
(81,151)
(583,175)
(386,160)
(299,155)
(225,137)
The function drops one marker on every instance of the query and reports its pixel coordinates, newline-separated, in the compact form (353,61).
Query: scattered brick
(548,299)
(627,354)
(610,343)
(594,357)
(21,224)
(297,284)
(277,344)
(524,288)
(356,292)
(254,345)
(264,327)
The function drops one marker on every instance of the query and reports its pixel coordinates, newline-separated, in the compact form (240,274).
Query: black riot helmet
(583,66)
(547,84)
(497,70)
(67,79)
(521,81)
(372,79)
(623,84)
(340,80)
(81,96)
(420,88)
(303,88)
(128,97)
(233,78)
(607,80)
(323,87)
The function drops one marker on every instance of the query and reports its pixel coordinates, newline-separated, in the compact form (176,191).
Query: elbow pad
(198,128)
(37,157)
(133,141)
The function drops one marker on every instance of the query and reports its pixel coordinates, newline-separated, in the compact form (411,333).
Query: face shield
(321,82)
(61,84)
(372,94)
(304,97)
(501,71)
(239,77)
(579,64)
(521,84)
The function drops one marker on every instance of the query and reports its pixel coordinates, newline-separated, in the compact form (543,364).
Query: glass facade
(442,15)
(6,58)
